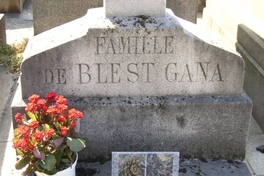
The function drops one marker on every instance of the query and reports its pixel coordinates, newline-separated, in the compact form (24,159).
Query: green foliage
(76,144)
(11,55)
(9,58)
(22,163)
(49,162)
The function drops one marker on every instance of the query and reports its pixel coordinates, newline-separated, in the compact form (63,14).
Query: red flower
(73,124)
(61,118)
(23,129)
(61,100)
(34,98)
(64,131)
(38,136)
(75,114)
(31,107)
(31,147)
(49,133)
(41,102)
(51,97)
(33,124)
(18,117)
(52,110)
(62,108)
(23,144)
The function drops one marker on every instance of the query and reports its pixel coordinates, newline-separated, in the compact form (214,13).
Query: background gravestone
(7,6)
(185,9)
(241,22)
(2,29)
(144,84)
(52,13)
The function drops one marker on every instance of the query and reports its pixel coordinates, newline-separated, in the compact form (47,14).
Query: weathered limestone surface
(130,57)
(197,127)
(2,29)
(134,8)
(144,84)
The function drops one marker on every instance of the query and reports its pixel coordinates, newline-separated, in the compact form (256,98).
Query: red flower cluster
(46,134)
(50,119)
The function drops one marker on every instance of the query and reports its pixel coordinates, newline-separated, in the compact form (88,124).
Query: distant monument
(148,81)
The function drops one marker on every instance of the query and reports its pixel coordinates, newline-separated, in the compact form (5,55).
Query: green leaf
(46,126)
(19,152)
(29,168)
(31,115)
(69,153)
(75,144)
(49,162)
(66,160)
(58,155)
(22,163)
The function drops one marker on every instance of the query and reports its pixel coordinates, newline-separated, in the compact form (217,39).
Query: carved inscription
(56,76)
(115,73)
(127,69)
(105,73)
(135,45)
(203,72)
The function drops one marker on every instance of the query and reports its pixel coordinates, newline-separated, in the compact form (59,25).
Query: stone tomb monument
(146,82)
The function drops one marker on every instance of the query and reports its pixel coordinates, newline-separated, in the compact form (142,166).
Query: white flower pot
(70,171)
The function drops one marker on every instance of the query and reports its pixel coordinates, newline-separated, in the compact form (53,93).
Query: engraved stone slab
(134,7)
(130,56)
(145,163)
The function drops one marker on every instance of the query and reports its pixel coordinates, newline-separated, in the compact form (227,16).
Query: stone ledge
(253,44)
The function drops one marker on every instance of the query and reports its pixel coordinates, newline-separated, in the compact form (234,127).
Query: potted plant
(46,136)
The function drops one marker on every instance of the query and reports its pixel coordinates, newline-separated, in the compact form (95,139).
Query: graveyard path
(18,26)
(7,153)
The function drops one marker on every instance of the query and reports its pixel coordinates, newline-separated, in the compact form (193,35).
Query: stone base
(198,127)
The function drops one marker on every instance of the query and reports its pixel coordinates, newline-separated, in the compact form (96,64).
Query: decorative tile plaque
(145,163)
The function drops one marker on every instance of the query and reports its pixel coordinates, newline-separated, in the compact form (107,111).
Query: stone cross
(134,7)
